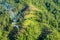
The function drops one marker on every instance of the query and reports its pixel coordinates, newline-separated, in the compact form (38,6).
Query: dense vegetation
(37,20)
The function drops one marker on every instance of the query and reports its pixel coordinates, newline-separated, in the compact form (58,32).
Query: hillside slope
(29,19)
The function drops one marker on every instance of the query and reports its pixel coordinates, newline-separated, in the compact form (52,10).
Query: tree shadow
(6,28)
(1,13)
(13,33)
(21,12)
(16,1)
(54,12)
(44,33)
(48,6)
(55,1)
(24,9)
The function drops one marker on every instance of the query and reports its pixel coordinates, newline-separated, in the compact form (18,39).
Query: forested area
(29,19)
